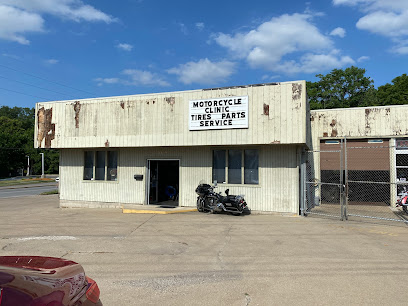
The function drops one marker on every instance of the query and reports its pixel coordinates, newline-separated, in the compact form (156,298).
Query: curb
(156,212)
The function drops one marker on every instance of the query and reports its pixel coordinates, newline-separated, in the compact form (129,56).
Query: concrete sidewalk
(206,259)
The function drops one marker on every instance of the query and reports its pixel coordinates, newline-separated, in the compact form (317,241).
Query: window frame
(226,168)
(94,167)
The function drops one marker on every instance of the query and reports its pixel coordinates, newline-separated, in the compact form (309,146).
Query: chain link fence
(323,189)
(352,179)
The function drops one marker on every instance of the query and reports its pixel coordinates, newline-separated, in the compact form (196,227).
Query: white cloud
(143,77)
(183,28)
(388,18)
(52,61)
(372,5)
(11,56)
(14,23)
(338,32)
(102,81)
(19,17)
(125,47)
(135,77)
(71,9)
(389,24)
(312,63)
(267,77)
(403,50)
(203,72)
(363,58)
(200,26)
(269,46)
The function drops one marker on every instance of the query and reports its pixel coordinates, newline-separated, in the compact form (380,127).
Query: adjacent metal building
(376,147)
(152,148)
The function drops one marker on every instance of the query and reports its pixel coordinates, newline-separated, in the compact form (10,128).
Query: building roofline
(354,108)
(170,92)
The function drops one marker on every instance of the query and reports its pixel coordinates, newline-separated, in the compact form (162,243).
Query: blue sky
(71,49)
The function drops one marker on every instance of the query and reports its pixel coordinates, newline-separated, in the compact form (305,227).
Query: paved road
(26,190)
(203,259)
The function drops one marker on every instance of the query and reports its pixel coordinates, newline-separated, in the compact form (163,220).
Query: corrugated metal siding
(362,122)
(366,122)
(278,176)
(162,119)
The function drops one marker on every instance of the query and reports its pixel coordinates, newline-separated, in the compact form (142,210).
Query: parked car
(45,281)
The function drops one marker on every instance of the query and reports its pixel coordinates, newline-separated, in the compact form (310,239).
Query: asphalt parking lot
(202,259)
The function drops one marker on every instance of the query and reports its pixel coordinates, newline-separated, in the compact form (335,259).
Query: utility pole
(42,165)
(28,165)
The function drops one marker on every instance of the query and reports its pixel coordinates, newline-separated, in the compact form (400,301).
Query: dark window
(219,162)
(112,166)
(99,163)
(402,159)
(241,163)
(100,166)
(89,164)
(234,166)
(251,167)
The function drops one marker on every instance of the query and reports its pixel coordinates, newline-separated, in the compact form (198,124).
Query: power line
(35,86)
(32,75)
(21,93)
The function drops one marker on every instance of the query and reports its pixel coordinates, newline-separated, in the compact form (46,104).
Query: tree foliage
(351,88)
(17,142)
(395,93)
(340,88)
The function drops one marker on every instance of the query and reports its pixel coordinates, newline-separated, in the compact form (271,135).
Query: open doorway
(163,183)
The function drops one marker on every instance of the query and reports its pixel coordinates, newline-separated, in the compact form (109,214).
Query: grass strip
(26,182)
(49,192)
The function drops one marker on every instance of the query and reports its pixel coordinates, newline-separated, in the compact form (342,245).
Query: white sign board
(218,113)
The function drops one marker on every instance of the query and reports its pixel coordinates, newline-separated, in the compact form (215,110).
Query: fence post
(393,173)
(341,180)
(302,183)
(346,187)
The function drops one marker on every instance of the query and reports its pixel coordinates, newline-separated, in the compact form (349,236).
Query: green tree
(12,140)
(17,142)
(341,88)
(395,93)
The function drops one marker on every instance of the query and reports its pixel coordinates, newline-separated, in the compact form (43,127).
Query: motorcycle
(210,201)
(402,200)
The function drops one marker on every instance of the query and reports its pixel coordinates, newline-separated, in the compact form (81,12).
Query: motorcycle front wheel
(200,204)
(405,209)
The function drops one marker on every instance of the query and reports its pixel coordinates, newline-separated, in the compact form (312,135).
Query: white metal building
(383,130)
(148,149)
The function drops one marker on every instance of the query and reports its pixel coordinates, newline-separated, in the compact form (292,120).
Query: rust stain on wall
(325,134)
(107,143)
(275,142)
(170,100)
(296,91)
(122,105)
(46,129)
(311,118)
(333,123)
(334,133)
(367,119)
(266,109)
(77,109)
